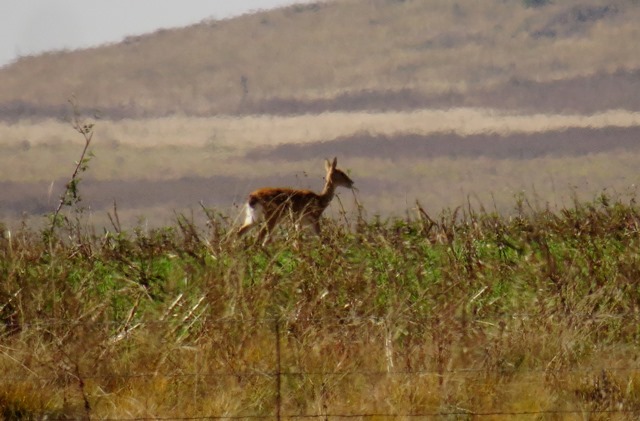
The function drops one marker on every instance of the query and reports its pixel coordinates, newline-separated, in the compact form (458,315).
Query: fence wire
(276,370)
(382,415)
(351,373)
(627,315)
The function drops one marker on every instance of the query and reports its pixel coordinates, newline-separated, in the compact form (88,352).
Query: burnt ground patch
(39,198)
(561,143)
(584,94)
(36,198)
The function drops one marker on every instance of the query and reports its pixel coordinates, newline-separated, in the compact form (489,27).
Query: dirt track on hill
(561,143)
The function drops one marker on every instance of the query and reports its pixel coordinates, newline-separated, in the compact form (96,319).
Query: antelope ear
(327,164)
(335,163)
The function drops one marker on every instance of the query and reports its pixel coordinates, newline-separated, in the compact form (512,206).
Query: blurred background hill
(338,58)
(345,55)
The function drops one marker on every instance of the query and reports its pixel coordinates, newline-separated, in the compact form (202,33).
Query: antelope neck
(327,193)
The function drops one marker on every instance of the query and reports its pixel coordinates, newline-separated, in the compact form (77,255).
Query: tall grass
(466,312)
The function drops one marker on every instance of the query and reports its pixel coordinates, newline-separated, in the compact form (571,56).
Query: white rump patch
(253,214)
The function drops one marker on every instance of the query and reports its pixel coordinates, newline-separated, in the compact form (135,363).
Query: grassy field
(486,267)
(239,134)
(152,167)
(464,314)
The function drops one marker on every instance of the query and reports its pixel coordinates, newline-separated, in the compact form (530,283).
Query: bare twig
(70,195)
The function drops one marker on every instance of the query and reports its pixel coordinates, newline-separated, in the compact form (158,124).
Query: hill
(577,55)
(431,100)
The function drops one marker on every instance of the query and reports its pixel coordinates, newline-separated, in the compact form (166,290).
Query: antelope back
(279,200)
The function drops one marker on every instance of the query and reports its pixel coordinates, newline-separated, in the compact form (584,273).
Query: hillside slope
(342,55)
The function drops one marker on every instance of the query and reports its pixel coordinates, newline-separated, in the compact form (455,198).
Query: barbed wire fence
(279,372)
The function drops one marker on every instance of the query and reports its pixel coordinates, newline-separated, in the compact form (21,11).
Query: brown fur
(305,206)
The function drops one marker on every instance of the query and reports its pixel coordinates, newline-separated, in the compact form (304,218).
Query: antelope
(272,203)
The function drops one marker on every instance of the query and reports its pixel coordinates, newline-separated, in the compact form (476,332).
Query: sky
(30,27)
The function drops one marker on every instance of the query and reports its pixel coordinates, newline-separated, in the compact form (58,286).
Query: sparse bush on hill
(536,3)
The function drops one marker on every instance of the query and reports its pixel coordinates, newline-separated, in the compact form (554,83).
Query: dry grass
(229,134)
(186,146)
(472,305)
(462,313)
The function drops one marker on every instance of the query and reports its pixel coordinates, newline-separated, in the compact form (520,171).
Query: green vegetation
(473,310)
(466,312)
